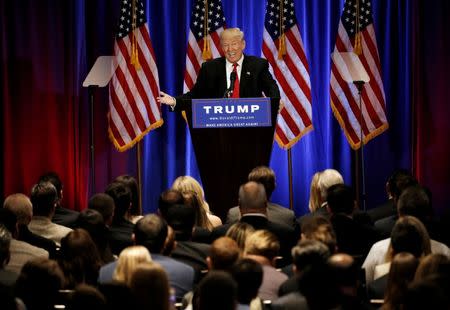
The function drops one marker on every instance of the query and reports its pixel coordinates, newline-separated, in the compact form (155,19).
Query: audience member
(400,182)
(253,208)
(189,184)
(44,198)
(121,228)
(7,278)
(275,212)
(320,183)
(239,232)
(402,272)
(151,232)
(432,264)
(248,275)
(62,216)
(79,259)
(86,297)
(408,235)
(135,212)
(38,284)
(388,208)
(20,252)
(263,247)
(21,206)
(306,253)
(128,261)
(217,290)
(92,221)
(150,287)
(352,237)
(104,204)
(224,252)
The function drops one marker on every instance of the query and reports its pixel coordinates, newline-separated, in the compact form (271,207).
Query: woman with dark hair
(79,259)
(402,272)
(150,287)
(135,213)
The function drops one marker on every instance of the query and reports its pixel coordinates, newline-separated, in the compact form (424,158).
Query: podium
(226,155)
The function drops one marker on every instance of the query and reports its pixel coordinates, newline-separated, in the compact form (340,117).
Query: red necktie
(236,83)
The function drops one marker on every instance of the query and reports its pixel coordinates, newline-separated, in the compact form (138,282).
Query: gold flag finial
(134,48)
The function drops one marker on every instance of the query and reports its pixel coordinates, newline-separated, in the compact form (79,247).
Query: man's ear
(209,263)
(133,238)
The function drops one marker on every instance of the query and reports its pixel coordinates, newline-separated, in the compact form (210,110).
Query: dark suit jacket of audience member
(377,288)
(291,301)
(120,235)
(286,234)
(193,254)
(352,237)
(275,213)
(65,217)
(27,236)
(382,211)
(322,211)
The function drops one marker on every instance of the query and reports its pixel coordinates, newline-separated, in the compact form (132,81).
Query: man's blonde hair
(232,32)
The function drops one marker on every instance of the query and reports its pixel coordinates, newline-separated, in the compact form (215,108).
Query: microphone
(232,80)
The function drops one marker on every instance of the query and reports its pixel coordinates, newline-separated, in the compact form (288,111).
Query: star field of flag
(272,21)
(348,17)
(215,18)
(125,20)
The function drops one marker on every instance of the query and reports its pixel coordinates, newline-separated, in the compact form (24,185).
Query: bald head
(252,198)
(21,206)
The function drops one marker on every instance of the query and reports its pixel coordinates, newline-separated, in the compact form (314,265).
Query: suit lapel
(223,74)
(245,76)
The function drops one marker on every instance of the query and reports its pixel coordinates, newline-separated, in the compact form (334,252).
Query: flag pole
(139,175)
(291,193)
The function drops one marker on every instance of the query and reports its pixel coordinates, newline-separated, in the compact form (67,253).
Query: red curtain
(431,105)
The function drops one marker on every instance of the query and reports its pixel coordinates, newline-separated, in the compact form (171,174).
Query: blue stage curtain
(168,152)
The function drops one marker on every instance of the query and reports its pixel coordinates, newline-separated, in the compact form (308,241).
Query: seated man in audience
(275,212)
(151,232)
(7,277)
(353,237)
(62,216)
(20,252)
(182,220)
(121,229)
(20,205)
(304,254)
(44,198)
(253,209)
(413,201)
(400,182)
(104,204)
(224,252)
(388,208)
(248,275)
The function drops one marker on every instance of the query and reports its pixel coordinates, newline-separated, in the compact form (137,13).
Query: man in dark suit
(222,164)
(253,208)
(275,212)
(253,76)
(62,216)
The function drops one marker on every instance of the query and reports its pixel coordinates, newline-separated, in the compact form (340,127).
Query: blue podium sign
(231,113)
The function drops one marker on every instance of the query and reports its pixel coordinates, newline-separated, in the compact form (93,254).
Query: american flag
(356,33)
(283,48)
(133,110)
(207,23)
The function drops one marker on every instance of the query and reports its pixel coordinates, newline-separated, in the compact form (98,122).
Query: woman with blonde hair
(320,183)
(186,184)
(129,259)
(239,232)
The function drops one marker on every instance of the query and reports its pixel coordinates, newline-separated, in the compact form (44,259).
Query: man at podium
(226,155)
(251,75)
